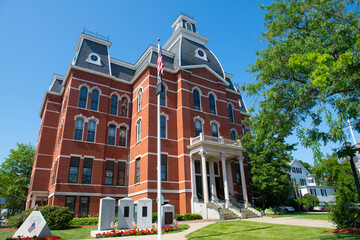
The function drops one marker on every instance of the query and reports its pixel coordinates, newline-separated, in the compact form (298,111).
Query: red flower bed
(135,232)
(35,238)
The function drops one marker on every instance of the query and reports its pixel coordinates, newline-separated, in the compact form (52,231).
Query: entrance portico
(207,155)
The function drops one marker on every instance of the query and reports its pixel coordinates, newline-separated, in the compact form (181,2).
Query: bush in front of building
(179,217)
(344,215)
(84,221)
(56,217)
(308,201)
(273,211)
(192,216)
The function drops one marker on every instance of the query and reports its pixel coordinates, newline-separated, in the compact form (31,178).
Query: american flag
(160,70)
(112,224)
(32,227)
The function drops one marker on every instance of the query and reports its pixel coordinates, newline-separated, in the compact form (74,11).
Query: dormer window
(200,53)
(94,58)
(188,26)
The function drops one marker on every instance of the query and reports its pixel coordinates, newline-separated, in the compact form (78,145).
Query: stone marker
(125,213)
(168,214)
(144,213)
(106,214)
(34,225)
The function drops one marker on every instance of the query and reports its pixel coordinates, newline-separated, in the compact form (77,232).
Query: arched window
(212,104)
(79,126)
(162,126)
(90,136)
(122,136)
(124,107)
(214,130)
(139,103)
(231,113)
(83,97)
(114,105)
(196,96)
(138,130)
(243,129)
(233,135)
(163,97)
(112,133)
(94,99)
(188,26)
(198,127)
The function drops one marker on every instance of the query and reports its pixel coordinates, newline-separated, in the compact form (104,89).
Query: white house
(306,183)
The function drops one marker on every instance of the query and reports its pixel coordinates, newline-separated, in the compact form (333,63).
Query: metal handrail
(230,204)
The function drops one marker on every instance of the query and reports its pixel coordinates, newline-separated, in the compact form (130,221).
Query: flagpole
(159,160)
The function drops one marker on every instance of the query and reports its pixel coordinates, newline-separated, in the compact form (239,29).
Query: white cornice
(91,38)
(186,18)
(182,32)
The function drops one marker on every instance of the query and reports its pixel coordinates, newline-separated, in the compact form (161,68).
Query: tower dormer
(185,22)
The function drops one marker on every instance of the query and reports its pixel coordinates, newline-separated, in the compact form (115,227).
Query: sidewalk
(194,225)
(293,221)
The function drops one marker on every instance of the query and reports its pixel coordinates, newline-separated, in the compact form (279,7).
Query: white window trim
(126,133)
(202,123)
(83,127)
(97,62)
(200,94)
(127,107)
(87,130)
(232,109)
(215,98)
(138,133)
(198,56)
(98,102)
(139,103)
(217,124)
(87,95)
(116,127)
(166,124)
(118,97)
(186,23)
(165,91)
(233,130)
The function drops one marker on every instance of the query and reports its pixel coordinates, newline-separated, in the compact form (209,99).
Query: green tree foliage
(15,173)
(269,156)
(308,201)
(329,172)
(306,165)
(310,68)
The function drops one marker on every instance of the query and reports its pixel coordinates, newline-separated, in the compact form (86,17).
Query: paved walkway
(293,221)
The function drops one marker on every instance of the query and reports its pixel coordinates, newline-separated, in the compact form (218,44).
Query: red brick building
(98,128)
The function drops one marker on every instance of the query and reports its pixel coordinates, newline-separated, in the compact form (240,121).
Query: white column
(230,179)
(243,183)
(204,177)
(193,179)
(33,202)
(212,180)
(226,186)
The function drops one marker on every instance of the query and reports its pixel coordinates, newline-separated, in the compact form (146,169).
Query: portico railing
(211,139)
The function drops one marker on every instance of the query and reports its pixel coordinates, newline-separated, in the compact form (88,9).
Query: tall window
(70,202)
(121,174)
(114,104)
(231,113)
(86,175)
(84,206)
(196,96)
(109,172)
(79,126)
(139,97)
(83,97)
(214,130)
(198,127)
(212,104)
(233,135)
(74,170)
(112,132)
(138,130)
(94,99)
(124,107)
(163,167)
(237,174)
(90,136)
(122,136)
(137,170)
(163,97)
(163,126)
(243,129)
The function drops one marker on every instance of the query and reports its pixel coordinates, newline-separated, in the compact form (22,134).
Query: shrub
(179,217)
(308,201)
(84,221)
(16,220)
(272,211)
(345,216)
(57,217)
(154,217)
(191,216)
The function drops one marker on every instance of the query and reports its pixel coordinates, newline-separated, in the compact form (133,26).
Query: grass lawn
(315,216)
(253,230)
(79,233)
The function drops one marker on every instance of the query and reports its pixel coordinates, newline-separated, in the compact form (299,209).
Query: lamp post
(349,153)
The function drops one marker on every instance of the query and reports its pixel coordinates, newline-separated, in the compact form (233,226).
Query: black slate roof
(56,87)
(122,72)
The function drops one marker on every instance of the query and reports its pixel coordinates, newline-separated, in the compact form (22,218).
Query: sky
(38,39)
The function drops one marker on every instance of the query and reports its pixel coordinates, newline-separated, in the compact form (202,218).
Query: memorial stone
(34,225)
(125,213)
(168,213)
(106,214)
(144,213)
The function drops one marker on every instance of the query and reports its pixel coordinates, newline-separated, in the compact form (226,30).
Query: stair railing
(230,204)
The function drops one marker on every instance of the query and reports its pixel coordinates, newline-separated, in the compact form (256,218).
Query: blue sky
(38,39)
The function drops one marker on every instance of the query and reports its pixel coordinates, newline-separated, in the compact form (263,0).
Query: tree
(331,173)
(306,165)
(15,173)
(309,69)
(269,156)
(308,201)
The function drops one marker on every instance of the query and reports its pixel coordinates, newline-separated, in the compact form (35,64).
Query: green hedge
(345,216)
(56,217)
(179,217)
(84,221)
